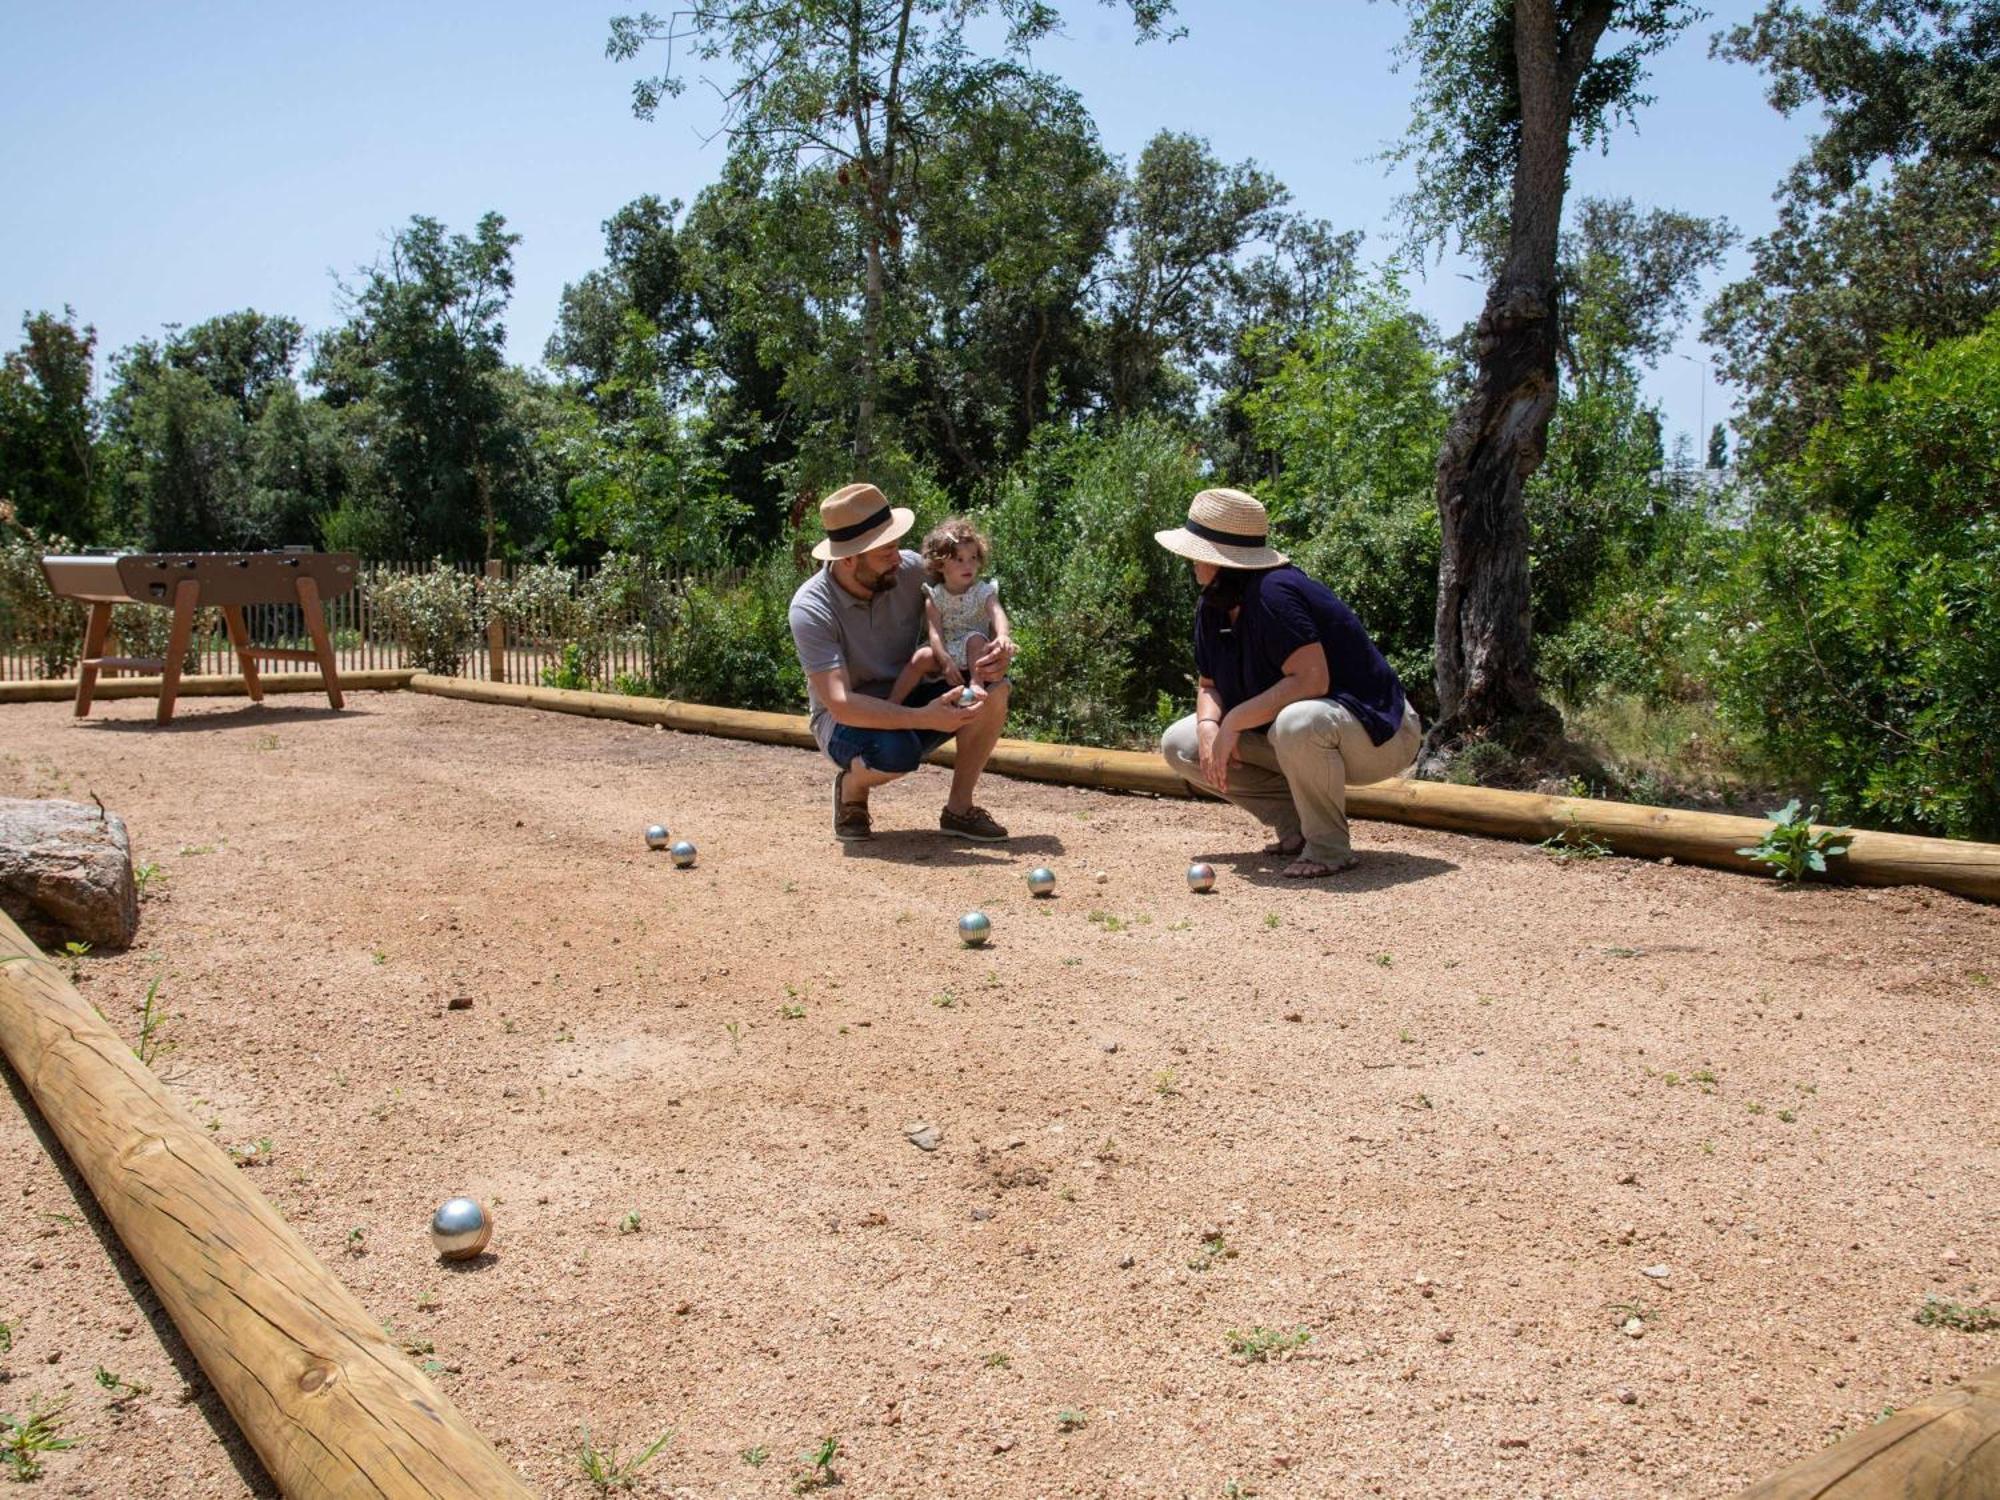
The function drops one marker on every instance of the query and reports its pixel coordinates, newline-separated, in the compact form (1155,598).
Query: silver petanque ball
(1201,877)
(967,698)
(1041,881)
(974,929)
(460,1228)
(657,837)
(683,853)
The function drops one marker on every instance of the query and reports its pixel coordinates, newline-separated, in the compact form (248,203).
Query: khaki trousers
(1294,775)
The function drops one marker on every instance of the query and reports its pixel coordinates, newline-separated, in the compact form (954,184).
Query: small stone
(1954,1258)
(981,1215)
(1003,1445)
(1126,1262)
(459,1002)
(1101,878)
(1634,1329)
(1627,1233)
(1445,1335)
(923,1136)
(1627,1396)
(1666,859)
(1513,1442)
(682,1309)
(1658,1273)
(1292,1015)
(1108,1045)
(1628,1179)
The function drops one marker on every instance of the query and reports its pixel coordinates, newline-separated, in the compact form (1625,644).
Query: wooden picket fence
(514,651)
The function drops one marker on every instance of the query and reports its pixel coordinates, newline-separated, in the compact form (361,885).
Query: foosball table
(184,582)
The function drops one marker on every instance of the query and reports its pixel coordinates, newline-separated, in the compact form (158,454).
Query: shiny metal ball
(967,698)
(657,837)
(460,1228)
(974,929)
(1201,877)
(1041,881)
(683,853)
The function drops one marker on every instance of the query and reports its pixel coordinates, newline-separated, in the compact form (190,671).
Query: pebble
(1658,1273)
(981,1215)
(1513,1442)
(1126,1262)
(1628,1179)
(1627,1396)
(1627,1233)
(1445,1335)
(1108,1045)
(1003,1445)
(459,1002)
(1101,878)
(1634,1328)
(923,1136)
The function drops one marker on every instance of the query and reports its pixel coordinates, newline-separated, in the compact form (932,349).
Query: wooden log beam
(1961,866)
(332,1407)
(1946,1447)
(63,690)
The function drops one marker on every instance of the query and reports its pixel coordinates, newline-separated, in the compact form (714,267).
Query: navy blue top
(1283,610)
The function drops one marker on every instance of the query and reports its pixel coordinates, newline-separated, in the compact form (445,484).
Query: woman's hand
(1218,752)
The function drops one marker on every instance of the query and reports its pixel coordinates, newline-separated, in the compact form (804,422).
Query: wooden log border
(331,1405)
(1957,865)
(1945,1447)
(1961,866)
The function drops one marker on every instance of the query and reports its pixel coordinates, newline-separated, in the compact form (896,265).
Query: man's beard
(879,583)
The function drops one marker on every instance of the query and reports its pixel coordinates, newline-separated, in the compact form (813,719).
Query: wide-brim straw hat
(858,518)
(1227,528)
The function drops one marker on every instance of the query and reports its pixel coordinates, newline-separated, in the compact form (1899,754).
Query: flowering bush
(437,614)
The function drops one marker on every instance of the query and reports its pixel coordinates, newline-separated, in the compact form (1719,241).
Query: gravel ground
(1609,1179)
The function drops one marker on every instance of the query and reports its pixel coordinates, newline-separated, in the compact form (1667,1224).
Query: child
(962,613)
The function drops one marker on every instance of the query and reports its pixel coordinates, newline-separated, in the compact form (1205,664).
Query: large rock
(66,869)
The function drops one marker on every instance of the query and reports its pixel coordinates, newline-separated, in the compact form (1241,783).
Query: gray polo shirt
(873,638)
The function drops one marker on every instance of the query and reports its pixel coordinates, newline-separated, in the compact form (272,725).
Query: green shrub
(30,615)
(435,614)
(732,646)
(1103,614)
(1862,644)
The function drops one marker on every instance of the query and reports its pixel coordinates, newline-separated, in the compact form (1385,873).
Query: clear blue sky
(165,163)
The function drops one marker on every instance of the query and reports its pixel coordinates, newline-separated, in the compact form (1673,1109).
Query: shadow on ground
(923,846)
(1377,871)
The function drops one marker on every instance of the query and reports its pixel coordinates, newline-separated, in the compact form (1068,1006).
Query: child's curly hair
(945,539)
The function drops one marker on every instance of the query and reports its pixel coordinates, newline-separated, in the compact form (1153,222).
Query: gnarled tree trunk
(1485,661)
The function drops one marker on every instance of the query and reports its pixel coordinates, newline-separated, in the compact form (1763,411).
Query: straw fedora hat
(858,517)
(1227,528)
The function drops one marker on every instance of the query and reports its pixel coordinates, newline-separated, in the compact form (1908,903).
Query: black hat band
(859,528)
(1224,538)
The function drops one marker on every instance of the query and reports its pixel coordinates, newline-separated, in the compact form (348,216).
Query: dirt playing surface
(1460,1115)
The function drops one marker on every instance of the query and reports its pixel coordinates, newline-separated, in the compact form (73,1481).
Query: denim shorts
(896,751)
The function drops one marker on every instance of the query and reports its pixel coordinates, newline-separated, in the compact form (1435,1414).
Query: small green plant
(153,1044)
(23,1440)
(1107,921)
(427,1300)
(944,1000)
(735,1030)
(1213,1248)
(6,1336)
(756,1456)
(1069,1419)
(1166,1083)
(1257,1344)
(1272,919)
(357,1241)
(817,1468)
(1787,1116)
(630,1223)
(252,1153)
(605,1469)
(792,1012)
(1754,1107)
(122,1390)
(573,673)
(1937,1312)
(146,876)
(998,1360)
(1573,844)
(1792,848)
(74,952)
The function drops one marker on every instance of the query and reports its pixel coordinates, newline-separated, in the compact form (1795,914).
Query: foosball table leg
(187,595)
(95,634)
(239,637)
(329,670)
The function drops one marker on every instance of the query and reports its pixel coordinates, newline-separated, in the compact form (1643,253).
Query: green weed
(1069,1419)
(817,1468)
(605,1469)
(23,1440)
(1937,1312)
(1791,848)
(1257,1344)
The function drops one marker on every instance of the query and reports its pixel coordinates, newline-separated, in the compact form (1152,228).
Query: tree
(1507,90)
(48,430)
(1718,447)
(1626,282)
(644,274)
(863,88)
(1887,223)
(417,370)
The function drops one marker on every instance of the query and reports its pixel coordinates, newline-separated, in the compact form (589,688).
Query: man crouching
(856,623)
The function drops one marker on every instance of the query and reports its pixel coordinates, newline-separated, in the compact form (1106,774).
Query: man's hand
(994,661)
(945,714)
(1218,752)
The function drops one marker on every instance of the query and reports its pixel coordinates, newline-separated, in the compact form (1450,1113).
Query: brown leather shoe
(974,823)
(850,819)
